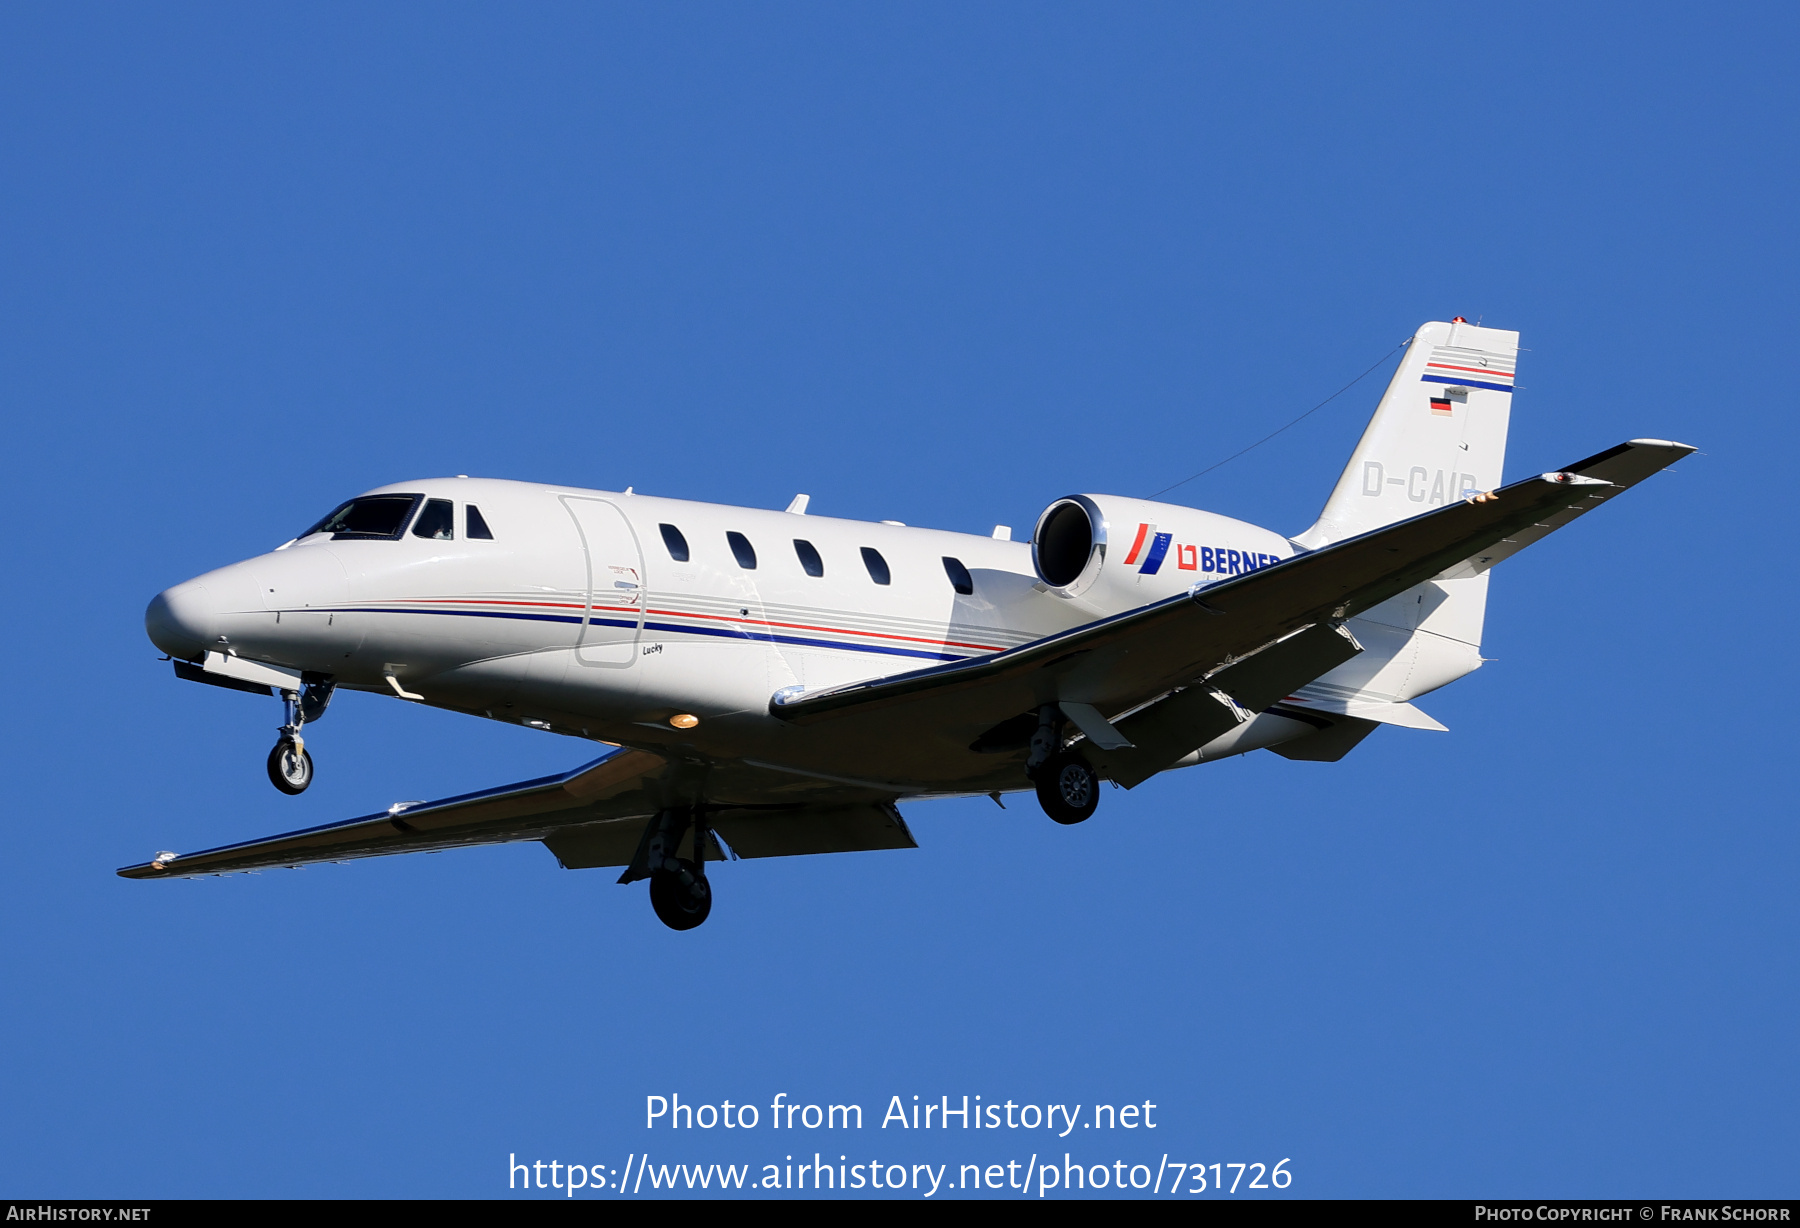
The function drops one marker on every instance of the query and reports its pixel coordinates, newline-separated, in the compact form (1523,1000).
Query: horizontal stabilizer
(1380,711)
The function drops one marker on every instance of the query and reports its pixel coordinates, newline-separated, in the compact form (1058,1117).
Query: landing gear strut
(679,891)
(290,766)
(1067,787)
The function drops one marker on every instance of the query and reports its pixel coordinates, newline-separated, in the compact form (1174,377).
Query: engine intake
(1068,546)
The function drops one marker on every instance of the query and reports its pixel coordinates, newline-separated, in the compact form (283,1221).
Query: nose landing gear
(290,765)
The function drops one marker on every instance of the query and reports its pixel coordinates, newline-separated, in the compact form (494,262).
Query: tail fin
(1438,434)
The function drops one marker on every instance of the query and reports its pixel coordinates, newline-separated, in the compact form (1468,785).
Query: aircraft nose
(182,620)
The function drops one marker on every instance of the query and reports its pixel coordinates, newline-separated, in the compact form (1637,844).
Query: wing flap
(592,846)
(813,829)
(611,787)
(1188,719)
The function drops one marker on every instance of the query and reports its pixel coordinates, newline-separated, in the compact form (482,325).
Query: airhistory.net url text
(1025,1178)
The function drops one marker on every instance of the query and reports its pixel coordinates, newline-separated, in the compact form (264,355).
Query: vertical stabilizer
(1439,433)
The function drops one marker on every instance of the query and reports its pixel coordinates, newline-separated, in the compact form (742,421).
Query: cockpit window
(437,521)
(478,530)
(370,518)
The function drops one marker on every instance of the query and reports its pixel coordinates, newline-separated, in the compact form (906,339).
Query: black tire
(677,905)
(288,772)
(1068,790)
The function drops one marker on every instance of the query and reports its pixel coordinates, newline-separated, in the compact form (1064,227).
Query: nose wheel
(290,767)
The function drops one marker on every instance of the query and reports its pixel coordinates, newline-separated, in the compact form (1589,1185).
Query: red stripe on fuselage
(726,618)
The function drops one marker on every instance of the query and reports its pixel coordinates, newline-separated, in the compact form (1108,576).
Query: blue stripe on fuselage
(720,632)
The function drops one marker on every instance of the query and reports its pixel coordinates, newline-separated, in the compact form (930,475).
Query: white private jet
(772,683)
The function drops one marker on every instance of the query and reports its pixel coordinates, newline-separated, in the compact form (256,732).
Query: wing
(607,793)
(1621,468)
(1124,662)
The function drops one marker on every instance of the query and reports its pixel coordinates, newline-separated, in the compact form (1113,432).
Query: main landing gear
(679,891)
(1067,787)
(290,765)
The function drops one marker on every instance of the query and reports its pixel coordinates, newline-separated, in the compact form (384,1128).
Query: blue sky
(940,264)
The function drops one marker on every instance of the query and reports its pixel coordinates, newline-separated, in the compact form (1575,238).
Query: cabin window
(437,521)
(476,528)
(809,557)
(878,568)
(960,580)
(742,550)
(674,542)
(370,518)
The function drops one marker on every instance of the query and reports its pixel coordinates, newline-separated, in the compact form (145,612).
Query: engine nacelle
(1116,553)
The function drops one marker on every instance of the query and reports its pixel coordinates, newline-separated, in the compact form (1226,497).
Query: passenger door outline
(613,618)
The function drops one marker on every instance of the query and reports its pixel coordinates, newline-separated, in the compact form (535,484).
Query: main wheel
(679,905)
(1068,791)
(290,772)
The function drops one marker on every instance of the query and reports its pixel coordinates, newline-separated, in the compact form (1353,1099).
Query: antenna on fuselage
(798,506)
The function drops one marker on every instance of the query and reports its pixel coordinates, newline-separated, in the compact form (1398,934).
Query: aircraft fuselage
(579,615)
